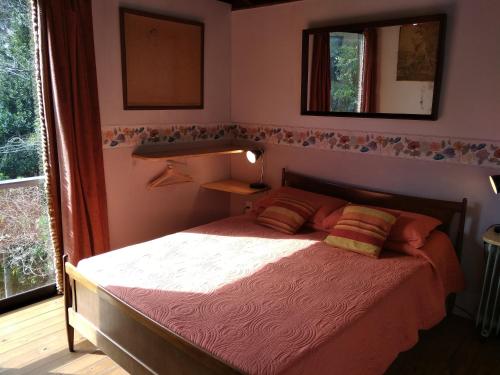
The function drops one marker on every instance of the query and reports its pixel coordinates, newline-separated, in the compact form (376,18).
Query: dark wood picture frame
(125,73)
(142,346)
(355,28)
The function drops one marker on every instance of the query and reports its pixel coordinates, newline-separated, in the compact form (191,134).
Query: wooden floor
(454,347)
(33,341)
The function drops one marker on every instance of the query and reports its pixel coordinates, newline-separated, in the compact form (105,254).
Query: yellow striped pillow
(362,230)
(286,214)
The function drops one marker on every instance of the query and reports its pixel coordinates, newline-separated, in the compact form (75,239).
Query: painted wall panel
(265,87)
(137,214)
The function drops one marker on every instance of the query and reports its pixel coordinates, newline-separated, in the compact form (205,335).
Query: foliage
(345,71)
(18,107)
(25,248)
(24,239)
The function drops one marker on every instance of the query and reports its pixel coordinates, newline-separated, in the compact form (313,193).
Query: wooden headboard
(446,211)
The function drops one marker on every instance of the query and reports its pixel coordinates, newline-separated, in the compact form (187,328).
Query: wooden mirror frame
(441,18)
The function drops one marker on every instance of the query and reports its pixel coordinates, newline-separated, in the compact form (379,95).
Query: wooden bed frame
(142,346)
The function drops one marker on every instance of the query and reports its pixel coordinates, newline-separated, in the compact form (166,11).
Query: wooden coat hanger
(169,176)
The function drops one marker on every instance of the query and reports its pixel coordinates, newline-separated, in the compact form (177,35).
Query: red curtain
(369,78)
(72,131)
(320,83)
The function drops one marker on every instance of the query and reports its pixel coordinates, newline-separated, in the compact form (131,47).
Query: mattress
(271,303)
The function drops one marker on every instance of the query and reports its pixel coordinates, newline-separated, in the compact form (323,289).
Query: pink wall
(265,87)
(393,95)
(253,76)
(266,56)
(217,18)
(135,213)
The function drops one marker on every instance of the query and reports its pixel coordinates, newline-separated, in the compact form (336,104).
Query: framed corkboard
(162,61)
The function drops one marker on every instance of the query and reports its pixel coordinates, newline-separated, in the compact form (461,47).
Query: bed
(232,297)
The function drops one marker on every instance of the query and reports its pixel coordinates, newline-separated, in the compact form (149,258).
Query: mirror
(389,69)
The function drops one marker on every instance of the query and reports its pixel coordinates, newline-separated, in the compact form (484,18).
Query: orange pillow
(410,227)
(318,218)
(400,247)
(430,244)
(323,204)
(413,228)
(362,229)
(332,219)
(286,214)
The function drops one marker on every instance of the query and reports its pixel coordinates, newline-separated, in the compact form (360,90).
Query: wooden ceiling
(245,4)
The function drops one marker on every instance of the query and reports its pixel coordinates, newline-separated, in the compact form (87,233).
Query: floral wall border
(430,148)
(131,136)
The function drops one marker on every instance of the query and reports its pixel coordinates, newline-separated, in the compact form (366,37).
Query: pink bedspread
(270,303)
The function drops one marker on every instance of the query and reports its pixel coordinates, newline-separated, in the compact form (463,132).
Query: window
(346,55)
(26,256)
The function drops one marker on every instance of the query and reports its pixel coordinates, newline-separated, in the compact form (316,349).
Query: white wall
(217,18)
(135,213)
(266,64)
(395,96)
(266,75)
(252,66)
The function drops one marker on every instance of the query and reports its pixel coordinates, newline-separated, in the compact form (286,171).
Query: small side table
(488,314)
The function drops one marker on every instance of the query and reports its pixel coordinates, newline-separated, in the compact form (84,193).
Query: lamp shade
(495,183)
(254,155)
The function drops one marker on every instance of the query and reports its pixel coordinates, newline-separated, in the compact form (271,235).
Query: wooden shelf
(233,186)
(163,152)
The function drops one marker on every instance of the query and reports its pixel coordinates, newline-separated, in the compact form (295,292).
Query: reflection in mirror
(374,70)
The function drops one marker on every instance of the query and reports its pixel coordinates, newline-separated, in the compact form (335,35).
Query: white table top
(491,237)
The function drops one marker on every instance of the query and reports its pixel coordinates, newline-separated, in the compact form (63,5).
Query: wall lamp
(253,156)
(495,185)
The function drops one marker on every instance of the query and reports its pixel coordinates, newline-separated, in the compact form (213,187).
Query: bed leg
(70,331)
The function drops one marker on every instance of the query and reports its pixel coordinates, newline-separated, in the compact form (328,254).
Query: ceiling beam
(246,4)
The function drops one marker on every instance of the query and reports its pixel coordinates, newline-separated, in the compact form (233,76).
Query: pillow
(400,247)
(318,218)
(332,219)
(413,228)
(441,238)
(323,204)
(410,227)
(286,214)
(362,229)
